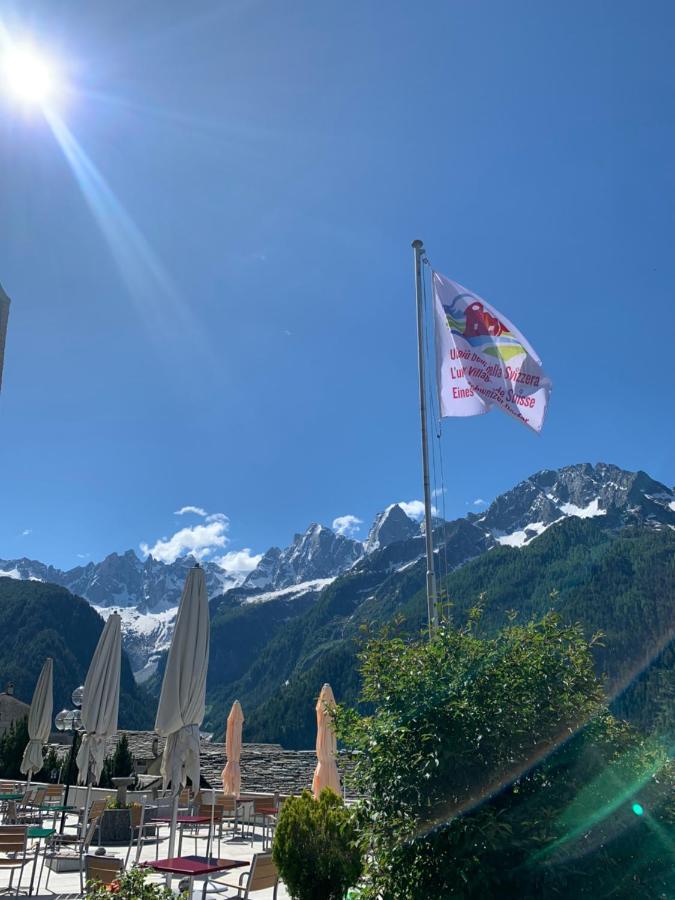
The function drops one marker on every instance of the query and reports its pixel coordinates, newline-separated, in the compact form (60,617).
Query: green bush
(316,847)
(490,767)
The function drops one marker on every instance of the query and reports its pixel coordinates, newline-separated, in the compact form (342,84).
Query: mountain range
(295,617)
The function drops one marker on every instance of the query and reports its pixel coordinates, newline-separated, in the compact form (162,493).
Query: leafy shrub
(131,885)
(490,767)
(315,847)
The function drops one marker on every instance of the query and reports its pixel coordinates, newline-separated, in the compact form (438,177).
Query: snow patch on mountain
(584,512)
(521,538)
(146,636)
(289,593)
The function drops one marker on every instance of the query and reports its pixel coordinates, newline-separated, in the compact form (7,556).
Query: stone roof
(265,768)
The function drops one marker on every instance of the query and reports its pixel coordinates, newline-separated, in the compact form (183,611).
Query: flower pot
(115,826)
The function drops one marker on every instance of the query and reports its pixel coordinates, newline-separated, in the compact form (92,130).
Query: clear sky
(211,270)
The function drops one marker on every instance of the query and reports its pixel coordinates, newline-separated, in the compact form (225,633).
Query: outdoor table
(37,834)
(181,822)
(58,808)
(194,866)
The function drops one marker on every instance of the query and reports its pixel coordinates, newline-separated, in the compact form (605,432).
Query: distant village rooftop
(265,768)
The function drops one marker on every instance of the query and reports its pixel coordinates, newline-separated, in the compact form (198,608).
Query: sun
(28,76)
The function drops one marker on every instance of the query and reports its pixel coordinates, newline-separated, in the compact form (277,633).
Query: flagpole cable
(432,613)
(442,544)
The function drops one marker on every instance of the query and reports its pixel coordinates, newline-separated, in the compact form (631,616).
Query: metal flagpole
(432,612)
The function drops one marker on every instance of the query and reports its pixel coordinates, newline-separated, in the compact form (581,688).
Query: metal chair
(262,875)
(79,846)
(29,811)
(104,869)
(139,827)
(266,819)
(13,854)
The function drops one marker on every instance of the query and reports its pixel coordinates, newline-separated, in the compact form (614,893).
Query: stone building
(11,708)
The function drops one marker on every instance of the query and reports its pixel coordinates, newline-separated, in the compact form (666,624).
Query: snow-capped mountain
(123,580)
(146,592)
(317,553)
(623,498)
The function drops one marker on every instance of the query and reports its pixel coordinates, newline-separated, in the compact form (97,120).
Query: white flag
(483,360)
(4,315)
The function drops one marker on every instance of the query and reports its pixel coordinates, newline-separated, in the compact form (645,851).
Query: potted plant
(316,847)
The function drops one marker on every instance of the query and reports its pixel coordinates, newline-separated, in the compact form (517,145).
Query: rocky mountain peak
(391,525)
(582,490)
(316,553)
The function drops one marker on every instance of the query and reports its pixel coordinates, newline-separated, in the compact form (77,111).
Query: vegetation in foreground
(316,847)
(490,766)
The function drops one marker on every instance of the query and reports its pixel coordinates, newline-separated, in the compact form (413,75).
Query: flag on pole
(4,315)
(483,361)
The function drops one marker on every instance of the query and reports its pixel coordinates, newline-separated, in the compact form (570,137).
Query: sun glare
(28,76)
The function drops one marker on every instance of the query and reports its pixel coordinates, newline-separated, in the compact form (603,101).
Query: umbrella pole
(87,803)
(69,777)
(213,813)
(172,831)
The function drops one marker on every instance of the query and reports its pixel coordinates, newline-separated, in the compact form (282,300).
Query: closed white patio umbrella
(183,698)
(39,720)
(326,772)
(100,704)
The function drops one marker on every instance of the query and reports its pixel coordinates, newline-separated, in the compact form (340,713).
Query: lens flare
(28,76)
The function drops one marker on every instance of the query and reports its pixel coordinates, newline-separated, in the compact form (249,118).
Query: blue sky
(224,316)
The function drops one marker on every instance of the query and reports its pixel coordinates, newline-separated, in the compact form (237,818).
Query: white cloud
(196,510)
(199,540)
(347,525)
(415,509)
(437,492)
(479,502)
(26,532)
(239,562)
(83,555)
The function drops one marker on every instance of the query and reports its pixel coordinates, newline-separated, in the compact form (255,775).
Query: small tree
(51,765)
(122,760)
(316,847)
(12,745)
(119,765)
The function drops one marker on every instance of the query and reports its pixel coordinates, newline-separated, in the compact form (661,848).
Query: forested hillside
(39,620)
(619,583)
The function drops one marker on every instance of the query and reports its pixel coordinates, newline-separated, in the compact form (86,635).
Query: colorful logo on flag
(467,317)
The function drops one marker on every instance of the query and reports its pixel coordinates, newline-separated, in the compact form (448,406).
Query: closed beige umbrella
(39,720)
(182,702)
(232,772)
(326,772)
(100,701)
